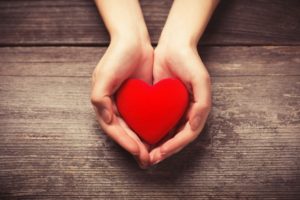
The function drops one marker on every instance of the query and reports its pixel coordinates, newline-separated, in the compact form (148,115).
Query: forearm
(187,21)
(123,19)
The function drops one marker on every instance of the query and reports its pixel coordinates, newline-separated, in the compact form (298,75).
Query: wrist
(137,33)
(173,50)
(130,42)
(171,44)
(134,46)
(177,40)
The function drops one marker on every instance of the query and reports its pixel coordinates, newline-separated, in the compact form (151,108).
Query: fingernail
(105,115)
(159,159)
(195,123)
(156,162)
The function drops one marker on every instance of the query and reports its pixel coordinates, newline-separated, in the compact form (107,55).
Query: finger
(202,102)
(175,144)
(139,163)
(104,84)
(101,88)
(165,138)
(183,137)
(201,87)
(143,157)
(115,108)
(156,156)
(104,108)
(116,132)
(100,98)
(171,146)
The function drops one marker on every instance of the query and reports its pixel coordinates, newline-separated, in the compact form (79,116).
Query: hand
(176,56)
(183,62)
(129,55)
(123,59)
(127,59)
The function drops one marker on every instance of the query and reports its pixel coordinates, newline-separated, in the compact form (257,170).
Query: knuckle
(95,99)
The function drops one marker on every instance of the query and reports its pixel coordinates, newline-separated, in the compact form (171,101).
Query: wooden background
(52,148)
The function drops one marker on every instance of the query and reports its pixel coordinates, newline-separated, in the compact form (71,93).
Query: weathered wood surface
(76,22)
(51,146)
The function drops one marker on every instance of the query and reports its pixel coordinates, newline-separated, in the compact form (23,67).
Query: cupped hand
(123,59)
(184,63)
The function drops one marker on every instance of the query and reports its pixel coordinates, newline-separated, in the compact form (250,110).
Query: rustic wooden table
(52,148)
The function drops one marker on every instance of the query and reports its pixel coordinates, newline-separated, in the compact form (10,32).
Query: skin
(176,55)
(130,55)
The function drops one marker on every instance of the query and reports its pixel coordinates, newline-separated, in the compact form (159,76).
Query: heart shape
(151,111)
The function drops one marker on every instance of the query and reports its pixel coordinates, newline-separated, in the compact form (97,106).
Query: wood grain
(235,22)
(80,61)
(51,146)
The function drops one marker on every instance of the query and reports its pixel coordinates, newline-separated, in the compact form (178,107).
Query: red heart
(152,111)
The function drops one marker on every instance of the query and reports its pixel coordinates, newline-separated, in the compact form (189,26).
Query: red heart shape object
(151,111)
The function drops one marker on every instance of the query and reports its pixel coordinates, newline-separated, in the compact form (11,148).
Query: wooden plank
(80,61)
(236,22)
(51,147)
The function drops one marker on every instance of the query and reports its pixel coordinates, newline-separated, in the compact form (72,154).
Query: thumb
(198,114)
(194,116)
(102,102)
(201,105)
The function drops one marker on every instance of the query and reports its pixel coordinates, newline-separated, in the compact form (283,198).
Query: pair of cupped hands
(138,59)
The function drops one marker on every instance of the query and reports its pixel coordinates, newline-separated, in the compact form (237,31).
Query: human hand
(129,55)
(176,56)
(183,62)
(123,59)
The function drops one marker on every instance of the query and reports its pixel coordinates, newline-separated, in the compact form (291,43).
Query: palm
(114,68)
(187,66)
